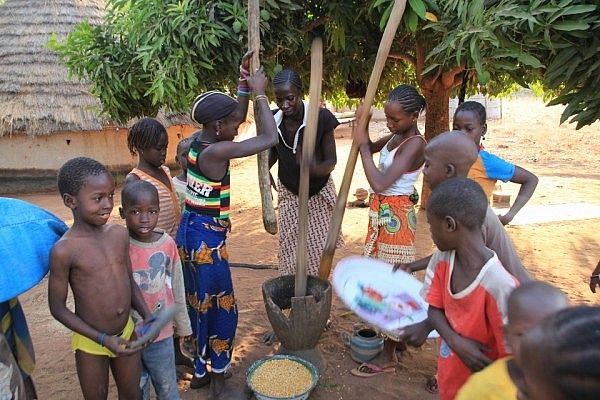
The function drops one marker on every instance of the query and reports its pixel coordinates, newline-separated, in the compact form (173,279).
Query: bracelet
(243,73)
(595,276)
(261,97)
(243,93)
(102,338)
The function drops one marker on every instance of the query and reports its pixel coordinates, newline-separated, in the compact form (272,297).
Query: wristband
(243,93)
(102,338)
(243,74)
(261,97)
(595,276)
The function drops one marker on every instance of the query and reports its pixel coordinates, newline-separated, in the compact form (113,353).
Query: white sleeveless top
(406,184)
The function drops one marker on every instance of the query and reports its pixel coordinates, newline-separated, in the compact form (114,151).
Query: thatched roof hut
(36,97)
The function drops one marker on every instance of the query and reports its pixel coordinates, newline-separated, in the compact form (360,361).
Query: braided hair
(476,108)
(408,97)
(288,76)
(568,342)
(73,175)
(144,134)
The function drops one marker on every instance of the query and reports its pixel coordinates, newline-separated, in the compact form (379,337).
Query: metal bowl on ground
(261,395)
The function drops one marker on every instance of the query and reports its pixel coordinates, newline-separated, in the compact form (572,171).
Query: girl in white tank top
(392,218)
(405,185)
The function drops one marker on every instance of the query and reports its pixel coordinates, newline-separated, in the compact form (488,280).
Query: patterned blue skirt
(209,289)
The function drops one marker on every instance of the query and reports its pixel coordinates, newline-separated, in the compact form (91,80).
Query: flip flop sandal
(431,385)
(366,370)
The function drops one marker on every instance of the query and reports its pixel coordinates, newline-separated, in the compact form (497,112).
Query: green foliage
(554,42)
(480,37)
(415,10)
(150,54)
(573,69)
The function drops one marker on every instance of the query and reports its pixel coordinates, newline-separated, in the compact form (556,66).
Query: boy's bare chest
(94,260)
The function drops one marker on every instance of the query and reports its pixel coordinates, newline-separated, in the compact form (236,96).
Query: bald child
(451,154)
(527,306)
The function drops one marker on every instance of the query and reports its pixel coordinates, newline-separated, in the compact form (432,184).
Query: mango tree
(150,54)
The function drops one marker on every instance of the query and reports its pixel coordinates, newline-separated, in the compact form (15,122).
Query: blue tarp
(27,234)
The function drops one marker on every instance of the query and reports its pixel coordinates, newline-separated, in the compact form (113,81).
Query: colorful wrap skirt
(391,231)
(209,289)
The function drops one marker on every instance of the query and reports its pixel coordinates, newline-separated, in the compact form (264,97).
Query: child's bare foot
(389,357)
(220,391)
(431,385)
(269,338)
(180,358)
(197,383)
(401,346)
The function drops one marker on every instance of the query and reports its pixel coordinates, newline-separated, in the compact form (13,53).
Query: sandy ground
(561,252)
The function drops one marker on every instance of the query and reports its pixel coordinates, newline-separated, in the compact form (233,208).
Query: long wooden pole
(308,148)
(264,178)
(340,205)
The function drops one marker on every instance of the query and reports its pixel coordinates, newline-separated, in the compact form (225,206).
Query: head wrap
(212,106)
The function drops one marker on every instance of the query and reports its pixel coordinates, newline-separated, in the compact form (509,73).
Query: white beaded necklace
(297,135)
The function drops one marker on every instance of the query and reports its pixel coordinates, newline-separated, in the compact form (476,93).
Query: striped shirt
(169,216)
(205,196)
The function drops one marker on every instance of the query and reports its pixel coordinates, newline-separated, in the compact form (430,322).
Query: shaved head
(533,301)
(527,305)
(456,148)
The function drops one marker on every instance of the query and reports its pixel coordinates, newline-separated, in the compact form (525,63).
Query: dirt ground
(560,252)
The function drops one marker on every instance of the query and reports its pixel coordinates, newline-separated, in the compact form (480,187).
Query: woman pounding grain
(291,118)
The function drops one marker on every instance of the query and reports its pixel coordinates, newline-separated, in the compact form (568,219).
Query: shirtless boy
(93,258)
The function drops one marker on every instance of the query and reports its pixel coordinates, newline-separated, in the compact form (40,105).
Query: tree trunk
(264,176)
(436,119)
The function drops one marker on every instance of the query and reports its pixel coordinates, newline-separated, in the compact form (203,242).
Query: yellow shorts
(89,346)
